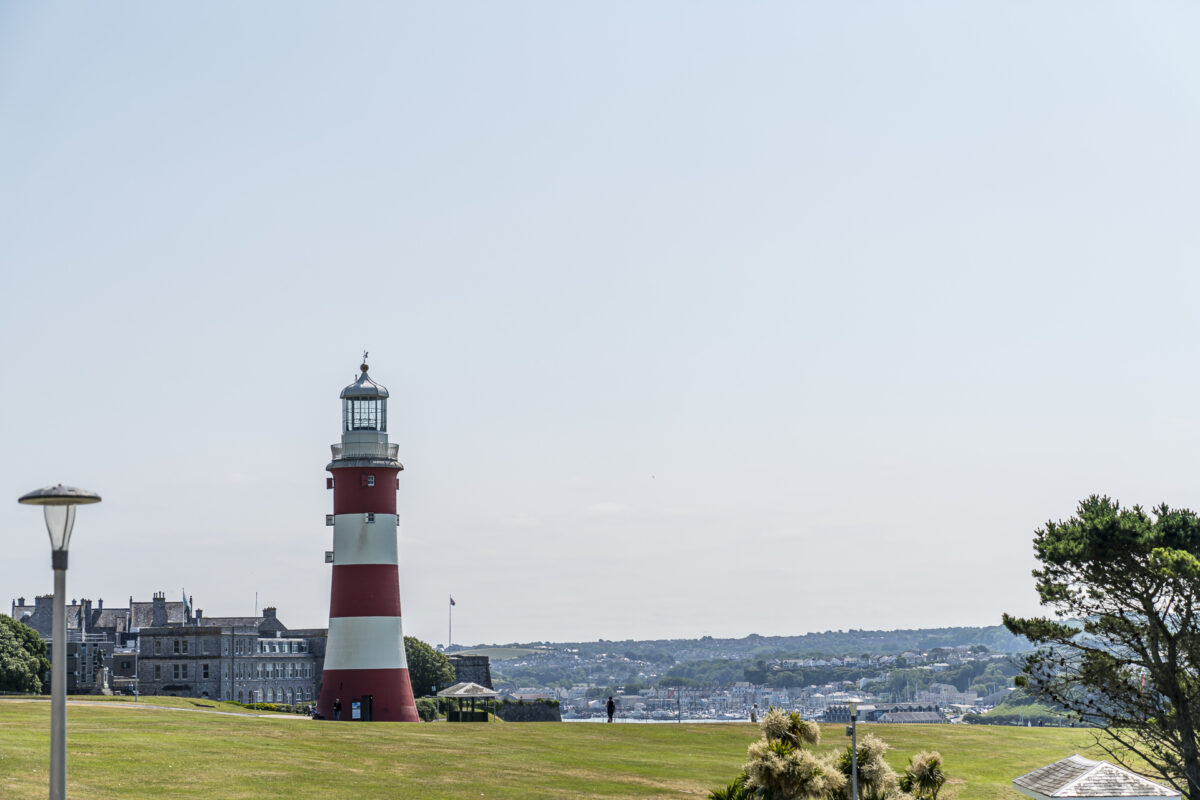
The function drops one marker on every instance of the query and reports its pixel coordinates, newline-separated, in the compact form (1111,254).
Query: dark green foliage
(23,659)
(1133,577)
(736,790)
(426,667)
(427,709)
(923,778)
(283,708)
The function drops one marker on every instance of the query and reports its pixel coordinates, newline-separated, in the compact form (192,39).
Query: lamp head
(58,504)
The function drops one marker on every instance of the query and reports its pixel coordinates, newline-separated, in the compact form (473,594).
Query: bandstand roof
(467,690)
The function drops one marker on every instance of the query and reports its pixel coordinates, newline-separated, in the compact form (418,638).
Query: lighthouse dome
(364,404)
(364,386)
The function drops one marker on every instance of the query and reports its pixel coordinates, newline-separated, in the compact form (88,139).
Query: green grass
(118,751)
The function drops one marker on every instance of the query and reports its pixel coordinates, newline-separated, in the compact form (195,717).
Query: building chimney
(100,604)
(199,616)
(159,617)
(20,601)
(269,612)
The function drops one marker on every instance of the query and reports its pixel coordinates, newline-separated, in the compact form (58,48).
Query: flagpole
(450,624)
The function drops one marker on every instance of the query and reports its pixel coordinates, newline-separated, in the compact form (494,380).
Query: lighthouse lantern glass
(365,414)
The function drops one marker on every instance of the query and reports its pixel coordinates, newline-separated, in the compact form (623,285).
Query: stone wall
(472,669)
(529,712)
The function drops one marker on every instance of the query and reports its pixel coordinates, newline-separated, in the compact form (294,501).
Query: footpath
(153,707)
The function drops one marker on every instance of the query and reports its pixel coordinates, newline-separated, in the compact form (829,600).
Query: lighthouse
(364,655)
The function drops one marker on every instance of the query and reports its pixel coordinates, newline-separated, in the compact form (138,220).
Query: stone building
(247,659)
(93,632)
(163,647)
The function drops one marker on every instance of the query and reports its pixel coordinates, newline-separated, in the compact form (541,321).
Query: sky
(698,318)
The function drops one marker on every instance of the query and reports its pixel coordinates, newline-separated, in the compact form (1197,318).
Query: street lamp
(58,504)
(852,732)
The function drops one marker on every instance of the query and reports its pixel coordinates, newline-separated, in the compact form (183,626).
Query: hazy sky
(698,318)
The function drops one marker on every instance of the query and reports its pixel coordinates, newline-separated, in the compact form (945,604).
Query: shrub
(427,709)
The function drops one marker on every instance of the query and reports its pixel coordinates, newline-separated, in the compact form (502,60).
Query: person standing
(337,708)
(754,713)
(611,707)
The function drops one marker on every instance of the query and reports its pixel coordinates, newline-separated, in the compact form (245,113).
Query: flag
(452,600)
(187,606)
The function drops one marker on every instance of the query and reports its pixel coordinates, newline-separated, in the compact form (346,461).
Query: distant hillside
(995,638)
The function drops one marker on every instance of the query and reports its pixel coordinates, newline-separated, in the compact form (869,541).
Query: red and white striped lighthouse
(364,655)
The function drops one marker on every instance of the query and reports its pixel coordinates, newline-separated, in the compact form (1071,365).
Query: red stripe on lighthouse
(353,495)
(390,687)
(365,590)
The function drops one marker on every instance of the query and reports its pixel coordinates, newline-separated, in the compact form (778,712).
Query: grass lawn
(118,751)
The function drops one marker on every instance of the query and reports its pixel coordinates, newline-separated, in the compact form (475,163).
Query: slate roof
(225,622)
(1081,777)
(143,614)
(918,717)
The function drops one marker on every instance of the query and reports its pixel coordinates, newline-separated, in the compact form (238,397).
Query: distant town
(914,676)
(169,647)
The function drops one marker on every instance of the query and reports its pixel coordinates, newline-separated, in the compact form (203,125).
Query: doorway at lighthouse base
(383,695)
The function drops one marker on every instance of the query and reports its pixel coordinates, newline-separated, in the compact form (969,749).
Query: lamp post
(852,732)
(58,505)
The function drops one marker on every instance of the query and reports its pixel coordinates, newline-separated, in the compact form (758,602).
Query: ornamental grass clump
(780,766)
(876,780)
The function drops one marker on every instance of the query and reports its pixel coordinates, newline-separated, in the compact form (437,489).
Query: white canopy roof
(467,690)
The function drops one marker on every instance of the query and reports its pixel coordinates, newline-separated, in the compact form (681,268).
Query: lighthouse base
(390,690)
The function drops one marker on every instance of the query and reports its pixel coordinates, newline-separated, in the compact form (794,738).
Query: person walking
(337,708)
(611,707)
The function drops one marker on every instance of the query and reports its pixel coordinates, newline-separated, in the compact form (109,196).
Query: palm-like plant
(924,776)
(736,790)
(779,771)
(876,780)
(790,728)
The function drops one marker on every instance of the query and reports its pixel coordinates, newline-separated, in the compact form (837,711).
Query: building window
(204,670)
(158,647)
(370,480)
(369,517)
(175,671)
(175,648)
(125,665)
(157,672)
(185,642)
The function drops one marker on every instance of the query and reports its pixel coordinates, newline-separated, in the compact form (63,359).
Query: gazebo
(467,691)
(1080,778)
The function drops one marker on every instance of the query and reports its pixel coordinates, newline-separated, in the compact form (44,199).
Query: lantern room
(364,405)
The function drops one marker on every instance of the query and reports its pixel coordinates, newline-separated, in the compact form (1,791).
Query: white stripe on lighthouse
(365,643)
(355,541)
